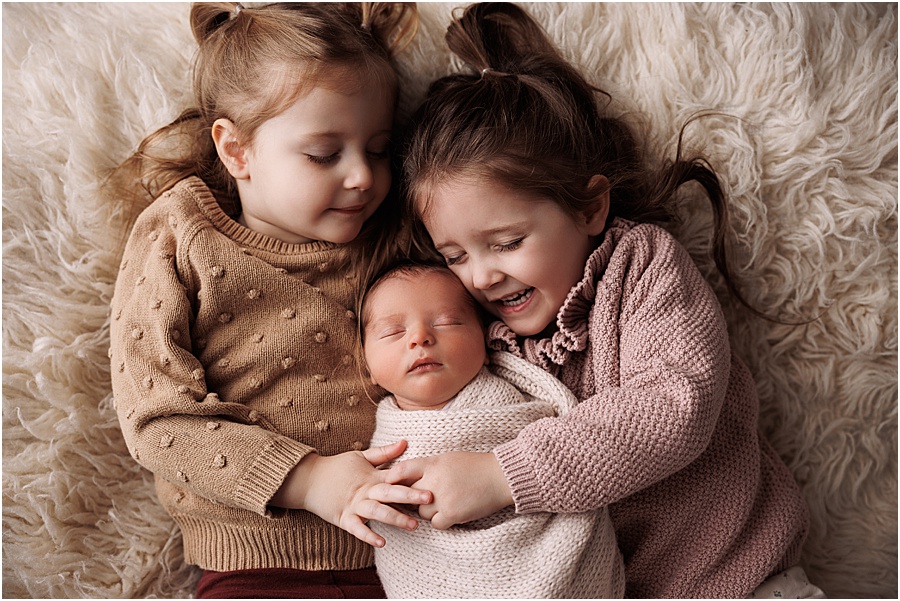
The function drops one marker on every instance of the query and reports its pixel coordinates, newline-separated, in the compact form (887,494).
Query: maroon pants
(282,583)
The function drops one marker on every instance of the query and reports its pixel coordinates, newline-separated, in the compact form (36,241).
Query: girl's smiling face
(516,252)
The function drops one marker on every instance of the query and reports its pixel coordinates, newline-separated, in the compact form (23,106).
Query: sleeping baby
(424,344)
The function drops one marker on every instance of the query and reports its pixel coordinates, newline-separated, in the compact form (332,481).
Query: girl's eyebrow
(502,229)
(329,135)
(505,228)
(440,247)
(321,134)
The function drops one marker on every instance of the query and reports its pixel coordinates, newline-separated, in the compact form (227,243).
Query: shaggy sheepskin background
(809,155)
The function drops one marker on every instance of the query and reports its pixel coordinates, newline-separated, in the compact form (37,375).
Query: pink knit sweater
(665,432)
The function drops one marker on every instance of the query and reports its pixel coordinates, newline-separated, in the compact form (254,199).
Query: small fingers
(427,512)
(392,493)
(373,510)
(440,521)
(379,455)
(406,472)
(355,526)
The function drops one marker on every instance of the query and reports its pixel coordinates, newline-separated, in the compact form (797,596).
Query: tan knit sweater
(232,359)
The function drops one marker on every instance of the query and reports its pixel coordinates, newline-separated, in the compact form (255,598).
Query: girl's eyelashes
(453,260)
(322,160)
(379,155)
(511,245)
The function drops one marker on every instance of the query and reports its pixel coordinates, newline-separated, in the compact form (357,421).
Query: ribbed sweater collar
(211,209)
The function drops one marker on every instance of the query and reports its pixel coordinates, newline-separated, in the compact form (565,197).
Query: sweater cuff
(517,469)
(268,472)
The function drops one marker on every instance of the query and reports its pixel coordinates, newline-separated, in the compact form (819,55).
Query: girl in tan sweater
(233,336)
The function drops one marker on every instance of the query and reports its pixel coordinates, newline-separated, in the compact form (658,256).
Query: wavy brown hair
(527,118)
(251,64)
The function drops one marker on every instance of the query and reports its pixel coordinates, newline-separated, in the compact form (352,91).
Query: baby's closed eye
(391,332)
(447,322)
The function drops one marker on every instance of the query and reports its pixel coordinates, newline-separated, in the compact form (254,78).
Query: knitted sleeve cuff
(526,491)
(268,472)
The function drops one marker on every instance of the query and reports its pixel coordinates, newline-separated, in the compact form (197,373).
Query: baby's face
(424,341)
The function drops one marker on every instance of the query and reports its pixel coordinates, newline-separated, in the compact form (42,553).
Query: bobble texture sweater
(233,357)
(505,555)
(666,430)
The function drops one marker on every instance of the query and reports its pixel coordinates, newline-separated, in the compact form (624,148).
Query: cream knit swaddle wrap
(538,555)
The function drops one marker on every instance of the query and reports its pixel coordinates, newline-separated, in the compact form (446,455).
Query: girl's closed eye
(380,154)
(451,260)
(322,159)
(513,245)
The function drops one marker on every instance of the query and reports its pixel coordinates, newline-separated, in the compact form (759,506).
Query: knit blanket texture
(803,135)
(505,555)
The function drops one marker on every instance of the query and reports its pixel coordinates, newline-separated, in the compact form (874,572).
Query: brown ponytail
(525,117)
(393,23)
(207,17)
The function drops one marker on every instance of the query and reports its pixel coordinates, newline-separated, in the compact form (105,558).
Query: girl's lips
(356,210)
(515,303)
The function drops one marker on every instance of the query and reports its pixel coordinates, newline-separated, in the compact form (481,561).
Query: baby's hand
(466,486)
(347,490)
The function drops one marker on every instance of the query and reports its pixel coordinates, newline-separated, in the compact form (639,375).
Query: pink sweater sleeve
(652,382)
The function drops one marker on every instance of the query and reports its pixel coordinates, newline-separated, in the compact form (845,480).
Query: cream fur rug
(811,165)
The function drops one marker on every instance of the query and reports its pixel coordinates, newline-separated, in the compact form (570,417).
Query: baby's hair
(410,269)
(527,118)
(251,64)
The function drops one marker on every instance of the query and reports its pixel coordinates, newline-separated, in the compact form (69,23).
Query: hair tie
(237,10)
(489,71)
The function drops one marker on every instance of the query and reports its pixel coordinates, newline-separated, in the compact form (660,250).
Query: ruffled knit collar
(572,321)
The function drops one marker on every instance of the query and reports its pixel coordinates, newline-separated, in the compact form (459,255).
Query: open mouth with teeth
(516,299)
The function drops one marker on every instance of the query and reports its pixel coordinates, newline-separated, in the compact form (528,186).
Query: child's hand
(466,486)
(347,491)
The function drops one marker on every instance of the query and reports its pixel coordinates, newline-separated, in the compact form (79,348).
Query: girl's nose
(359,176)
(485,275)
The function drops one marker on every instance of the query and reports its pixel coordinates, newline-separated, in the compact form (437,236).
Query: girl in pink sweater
(541,207)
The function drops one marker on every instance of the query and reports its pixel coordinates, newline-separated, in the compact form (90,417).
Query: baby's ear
(231,151)
(595,216)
